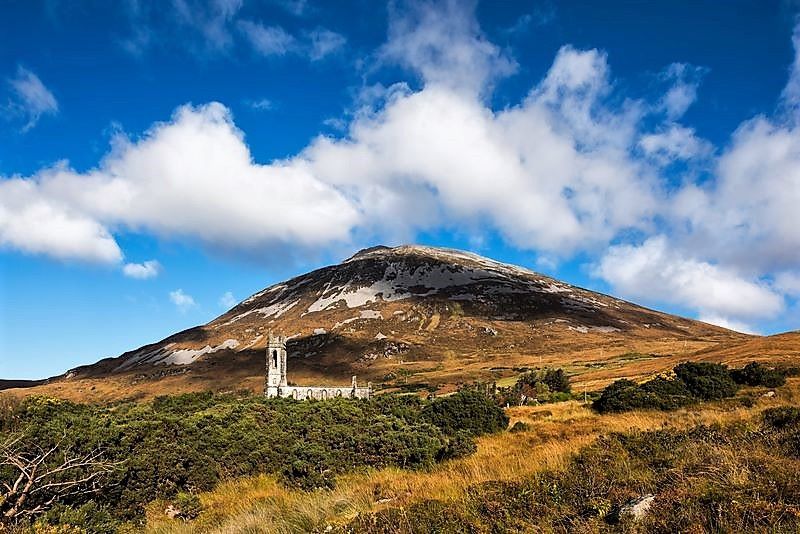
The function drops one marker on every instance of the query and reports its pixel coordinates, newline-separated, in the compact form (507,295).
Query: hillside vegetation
(728,460)
(116,459)
(714,466)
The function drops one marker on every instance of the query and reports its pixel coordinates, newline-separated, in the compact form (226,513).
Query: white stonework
(276,385)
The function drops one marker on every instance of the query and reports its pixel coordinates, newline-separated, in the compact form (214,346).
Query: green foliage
(467,410)
(178,445)
(549,385)
(693,381)
(188,505)
(623,395)
(89,518)
(706,380)
(756,374)
(557,380)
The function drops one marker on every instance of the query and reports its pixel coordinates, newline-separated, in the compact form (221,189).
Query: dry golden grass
(261,504)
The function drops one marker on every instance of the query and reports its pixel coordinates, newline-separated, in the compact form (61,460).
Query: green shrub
(468,410)
(706,380)
(755,374)
(459,446)
(188,505)
(657,394)
(89,518)
(622,395)
(178,445)
(556,380)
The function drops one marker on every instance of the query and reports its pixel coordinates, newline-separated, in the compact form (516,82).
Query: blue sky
(160,161)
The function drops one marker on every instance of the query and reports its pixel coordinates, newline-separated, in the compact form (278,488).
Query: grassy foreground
(729,454)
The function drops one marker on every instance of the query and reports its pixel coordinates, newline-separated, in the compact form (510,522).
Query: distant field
(591,369)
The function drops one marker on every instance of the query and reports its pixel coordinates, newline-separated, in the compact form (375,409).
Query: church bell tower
(276,365)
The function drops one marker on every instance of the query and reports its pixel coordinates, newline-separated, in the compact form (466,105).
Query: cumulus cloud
(653,271)
(181,300)
(39,224)
(30,98)
(227,300)
(443,43)
(191,177)
(570,168)
(791,93)
(540,173)
(142,271)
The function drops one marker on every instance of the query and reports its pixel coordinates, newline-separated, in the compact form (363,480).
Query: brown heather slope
(415,317)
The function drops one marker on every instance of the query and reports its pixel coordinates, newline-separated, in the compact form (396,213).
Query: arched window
(274,358)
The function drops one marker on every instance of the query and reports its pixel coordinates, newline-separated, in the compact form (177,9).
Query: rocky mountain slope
(411,317)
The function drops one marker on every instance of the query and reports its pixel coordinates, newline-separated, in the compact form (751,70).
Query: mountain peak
(409,307)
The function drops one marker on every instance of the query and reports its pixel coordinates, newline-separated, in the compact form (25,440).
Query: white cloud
(142,271)
(655,272)
(572,167)
(323,42)
(227,300)
(675,143)
(791,93)
(788,283)
(202,27)
(194,177)
(444,44)
(37,224)
(267,40)
(727,322)
(31,99)
(540,173)
(181,300)
(681,95)
(747,215)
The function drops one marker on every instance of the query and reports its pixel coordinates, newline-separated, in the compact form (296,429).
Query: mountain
(406,318)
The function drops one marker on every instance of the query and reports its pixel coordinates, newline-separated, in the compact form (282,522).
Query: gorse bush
(756,374)
(693,382)
(468,410)
(706,380)
(178,445)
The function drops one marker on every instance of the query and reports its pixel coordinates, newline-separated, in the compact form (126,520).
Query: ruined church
(277,386)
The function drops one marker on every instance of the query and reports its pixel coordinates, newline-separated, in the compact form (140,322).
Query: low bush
(706,380)
(693,382)
(89,518)
(467,410)
(756,374)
